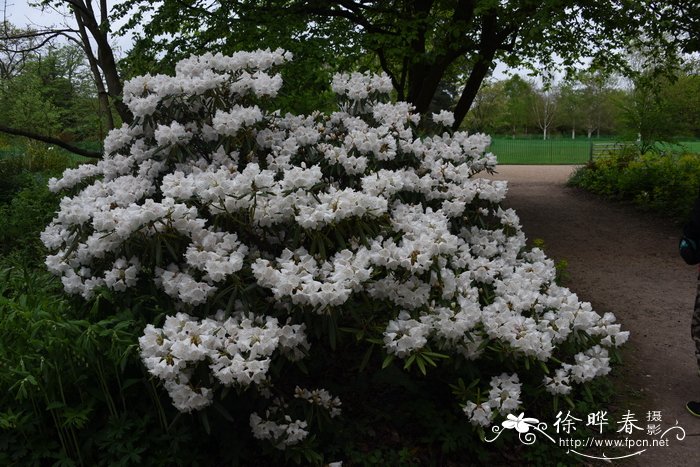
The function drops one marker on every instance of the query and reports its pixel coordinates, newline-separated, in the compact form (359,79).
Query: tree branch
(51,140)
(385,66)
(329,11)
(33,34)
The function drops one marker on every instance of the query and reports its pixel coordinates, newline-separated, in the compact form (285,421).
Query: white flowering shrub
(282,245)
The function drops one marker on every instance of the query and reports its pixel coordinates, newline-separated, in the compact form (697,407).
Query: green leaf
(222,410)
(387,361)
(302,366)
(435,354)
(55,405)
(421,364)
(130,382)
(158,252)
(366,357)
(409,362)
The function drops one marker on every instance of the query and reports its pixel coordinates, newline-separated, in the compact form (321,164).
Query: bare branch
(33,33)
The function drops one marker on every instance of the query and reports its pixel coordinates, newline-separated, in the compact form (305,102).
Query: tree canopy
(418,43)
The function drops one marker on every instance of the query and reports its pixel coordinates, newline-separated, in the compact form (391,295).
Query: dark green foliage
(26,204)
(72,389)
(24,218)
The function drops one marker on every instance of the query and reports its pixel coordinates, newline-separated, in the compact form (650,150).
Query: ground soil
(626,262)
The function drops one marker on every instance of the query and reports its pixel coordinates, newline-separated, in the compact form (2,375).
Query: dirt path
(625,262)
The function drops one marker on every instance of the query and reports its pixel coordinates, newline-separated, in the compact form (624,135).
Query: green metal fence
(565,151)
(532,151)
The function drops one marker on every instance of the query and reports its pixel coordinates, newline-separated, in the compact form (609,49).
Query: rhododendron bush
(280,245)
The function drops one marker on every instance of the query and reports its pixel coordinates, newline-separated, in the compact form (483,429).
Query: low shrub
(667,184)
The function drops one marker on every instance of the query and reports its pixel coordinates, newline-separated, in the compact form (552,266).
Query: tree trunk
(476,77)
(102,95)
(490,41)
(85,16)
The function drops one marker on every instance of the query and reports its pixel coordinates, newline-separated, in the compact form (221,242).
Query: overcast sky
(20,13)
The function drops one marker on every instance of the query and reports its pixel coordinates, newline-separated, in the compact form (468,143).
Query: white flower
(504,395)
(175,133)
(229,123)
(404,335)
(321,398)
(560,382)
(444,117)
(283,433)
(478,414)
(186,398)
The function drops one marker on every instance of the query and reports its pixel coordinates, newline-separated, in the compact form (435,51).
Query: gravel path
(625,262)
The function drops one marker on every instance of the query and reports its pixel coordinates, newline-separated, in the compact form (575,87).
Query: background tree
(681,19)
(682,102)
(593,89)
(488,112)
(17,46)
(519,94)
(545,108)
(27,104)
(645,109)
(570,103)
(52,96)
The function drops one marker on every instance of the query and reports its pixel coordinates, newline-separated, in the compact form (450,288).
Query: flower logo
(520,423)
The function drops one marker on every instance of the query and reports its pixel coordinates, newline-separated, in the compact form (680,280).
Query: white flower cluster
(238,351)
(504,397)
(589,364)
(280,429)
(320,398)
(277,427)
(444,117)
(359,86)
(198,75)
(211,196)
